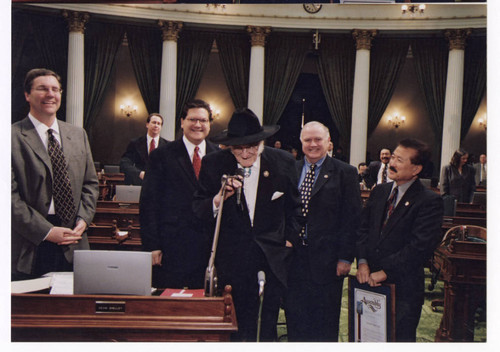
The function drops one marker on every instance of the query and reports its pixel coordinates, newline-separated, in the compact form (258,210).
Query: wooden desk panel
(42,317)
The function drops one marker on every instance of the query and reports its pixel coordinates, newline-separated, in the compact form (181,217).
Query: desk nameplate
(110,307)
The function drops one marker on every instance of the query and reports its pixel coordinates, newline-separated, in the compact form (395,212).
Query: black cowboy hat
(244,128)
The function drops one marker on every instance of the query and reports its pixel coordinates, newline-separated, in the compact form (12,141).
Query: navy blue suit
(314,290)
(402,247)
(167,220)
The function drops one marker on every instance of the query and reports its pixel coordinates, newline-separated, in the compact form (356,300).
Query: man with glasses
(260,223)
(54,183)
(169,228)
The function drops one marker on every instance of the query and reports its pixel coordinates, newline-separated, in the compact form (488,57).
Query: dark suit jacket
(32,189)
(373,169)
(135,159)
(461,186)
(333,218)
(408,240)
(166,216)
(275,221)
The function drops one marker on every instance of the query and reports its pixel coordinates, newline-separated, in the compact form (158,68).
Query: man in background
(331,204)
(481,171)
(135,159)
(379,170)
(400,229)
(54,183)
(169,228)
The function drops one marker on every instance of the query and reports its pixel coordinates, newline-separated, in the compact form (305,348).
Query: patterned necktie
(391,204)
(152,146)
(196,162)
(384,174)
(61,185)
(305,196)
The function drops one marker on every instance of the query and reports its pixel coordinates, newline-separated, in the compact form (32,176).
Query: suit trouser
(312,310)
(50,256)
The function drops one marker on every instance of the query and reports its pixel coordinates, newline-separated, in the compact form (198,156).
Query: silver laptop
(128,193)
(112,272)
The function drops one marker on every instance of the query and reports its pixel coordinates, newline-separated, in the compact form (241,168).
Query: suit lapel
(403,206)
(184,162)
(324,175)
(142,147)
(264,190)
(32,139)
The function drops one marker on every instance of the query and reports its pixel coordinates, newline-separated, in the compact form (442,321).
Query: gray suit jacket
(31,174)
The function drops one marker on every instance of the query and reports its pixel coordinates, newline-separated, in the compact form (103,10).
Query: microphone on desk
(240,173)
(261,278)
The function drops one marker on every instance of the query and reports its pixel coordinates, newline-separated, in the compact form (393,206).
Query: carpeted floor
(429,321)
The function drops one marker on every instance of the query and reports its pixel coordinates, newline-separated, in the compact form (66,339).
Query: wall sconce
(413,9)
(482,122)
(128,110)
(396,120)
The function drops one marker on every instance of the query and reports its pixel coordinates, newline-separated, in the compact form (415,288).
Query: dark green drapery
(192,58)
(234,55)
(474,80)
(145,46)
(285,56)
(431,67)
(336,63)
(31,49)
(102,41)
(387,58)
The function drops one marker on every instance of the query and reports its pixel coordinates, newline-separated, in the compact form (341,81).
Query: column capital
(76,20)
(457,38)
(170,30)
(364,38)
(258,35)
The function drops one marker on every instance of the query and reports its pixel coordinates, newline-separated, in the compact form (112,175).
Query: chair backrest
(450,205)
(469,233)
(112,169)
(128,193)
(479,198)
(426,182)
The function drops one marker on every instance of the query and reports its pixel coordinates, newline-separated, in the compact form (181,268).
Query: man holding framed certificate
(401,227)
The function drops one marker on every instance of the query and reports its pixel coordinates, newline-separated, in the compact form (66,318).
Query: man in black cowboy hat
(259,225)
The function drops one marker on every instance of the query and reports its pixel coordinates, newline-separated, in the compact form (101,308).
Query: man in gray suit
(47,224)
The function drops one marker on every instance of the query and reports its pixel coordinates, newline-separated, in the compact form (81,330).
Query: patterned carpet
(429,321)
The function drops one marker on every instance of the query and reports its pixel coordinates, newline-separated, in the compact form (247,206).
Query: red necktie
(152,146)
(196,162)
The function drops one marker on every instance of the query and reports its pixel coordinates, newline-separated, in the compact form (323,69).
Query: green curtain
(102,41)
(431,67)
(145,46)
(387,58)
(474,80)
(234,55)
(31,49)
(192,58)
(285,54)
(336,63)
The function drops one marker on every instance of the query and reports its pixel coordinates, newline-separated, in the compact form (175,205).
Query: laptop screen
(112,272)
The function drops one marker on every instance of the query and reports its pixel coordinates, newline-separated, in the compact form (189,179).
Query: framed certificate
(372,312)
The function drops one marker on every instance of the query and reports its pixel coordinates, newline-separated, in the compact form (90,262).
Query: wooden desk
(124,213)
(105,237)
(107,184)
(74,318)
(463,270)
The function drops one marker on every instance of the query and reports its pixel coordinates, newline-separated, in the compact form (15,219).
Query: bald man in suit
(44,236)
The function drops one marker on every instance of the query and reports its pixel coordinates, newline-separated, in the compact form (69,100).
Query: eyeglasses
(251,148)
(45,90)
(201,121)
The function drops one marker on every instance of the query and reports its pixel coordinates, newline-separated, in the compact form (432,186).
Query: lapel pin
(326,176)
(407,203)
(265,173)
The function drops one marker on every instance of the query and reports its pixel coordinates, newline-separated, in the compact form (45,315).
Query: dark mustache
(392,168)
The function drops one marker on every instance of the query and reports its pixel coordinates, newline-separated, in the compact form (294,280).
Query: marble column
(452,120)
(75,80)
(257,66)
(359,125)
(168,85)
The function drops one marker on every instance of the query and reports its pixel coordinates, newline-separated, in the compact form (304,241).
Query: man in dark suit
(481,171)
(53,196)
(323,257)
(378,170)
(135,159)
(258,225)
(400,228)
(169,228)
